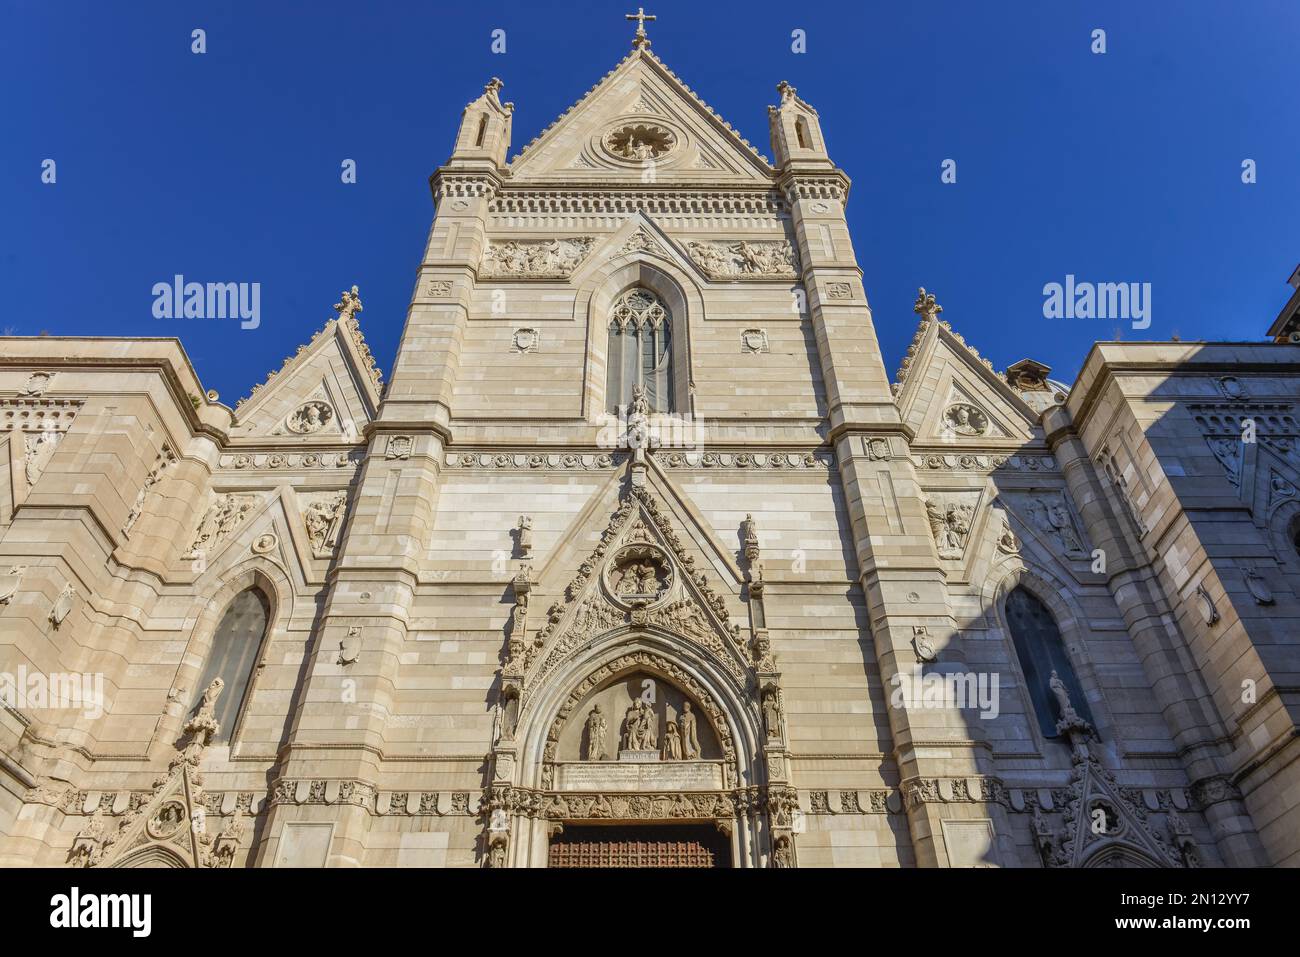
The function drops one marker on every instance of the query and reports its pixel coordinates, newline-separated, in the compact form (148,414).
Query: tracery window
(1039,647)
(640,351)
(235,646)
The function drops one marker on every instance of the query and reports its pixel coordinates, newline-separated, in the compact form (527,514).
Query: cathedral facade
(640,556)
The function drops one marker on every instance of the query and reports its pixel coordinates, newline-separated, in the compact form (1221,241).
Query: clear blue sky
(225,166)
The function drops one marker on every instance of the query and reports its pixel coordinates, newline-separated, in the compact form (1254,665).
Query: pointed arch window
(640,351)
(235,647)
(1040,650)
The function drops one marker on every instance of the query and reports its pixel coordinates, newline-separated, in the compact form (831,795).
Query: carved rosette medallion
(309,417)
(639,141)
(963,418)
(638,576)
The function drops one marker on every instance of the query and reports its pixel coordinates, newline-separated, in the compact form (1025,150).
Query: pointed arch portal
(636,709)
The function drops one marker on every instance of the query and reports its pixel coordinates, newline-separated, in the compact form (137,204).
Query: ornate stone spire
(641,41)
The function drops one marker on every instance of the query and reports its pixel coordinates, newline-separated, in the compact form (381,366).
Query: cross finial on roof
(640,41)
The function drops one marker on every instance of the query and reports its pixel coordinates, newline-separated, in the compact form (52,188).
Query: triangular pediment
(164,831)
(951,395)
(644,125)
(1100,818)
(329,389)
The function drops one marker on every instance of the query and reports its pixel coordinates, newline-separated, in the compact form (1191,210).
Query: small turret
(485,128)
(796,132)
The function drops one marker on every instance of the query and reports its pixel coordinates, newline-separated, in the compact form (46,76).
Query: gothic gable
(328,390)
(640,124)
(948,393)
(644,573)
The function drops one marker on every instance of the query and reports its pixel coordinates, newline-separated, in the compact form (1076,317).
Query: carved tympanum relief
(638,718)
(639,575)
(1047,513)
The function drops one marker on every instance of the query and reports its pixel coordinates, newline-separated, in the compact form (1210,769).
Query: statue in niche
(772,711)
(638,424)
(509,712)
(672,743)
(782,856)
(596,729)
(690,739)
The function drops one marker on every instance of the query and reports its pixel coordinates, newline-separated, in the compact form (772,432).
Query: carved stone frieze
(530,461)
(682,459)
(259,461)
(535,259)
(745,259)
(980,462)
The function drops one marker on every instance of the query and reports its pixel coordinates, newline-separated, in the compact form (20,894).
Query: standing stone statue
(690,740)
(1068,714)
(772,712)
(525,536)
(596,729)
(672,743)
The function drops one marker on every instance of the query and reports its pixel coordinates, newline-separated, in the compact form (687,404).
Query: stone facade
(474,575)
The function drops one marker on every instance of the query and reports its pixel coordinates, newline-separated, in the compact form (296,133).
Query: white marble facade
(486,610)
